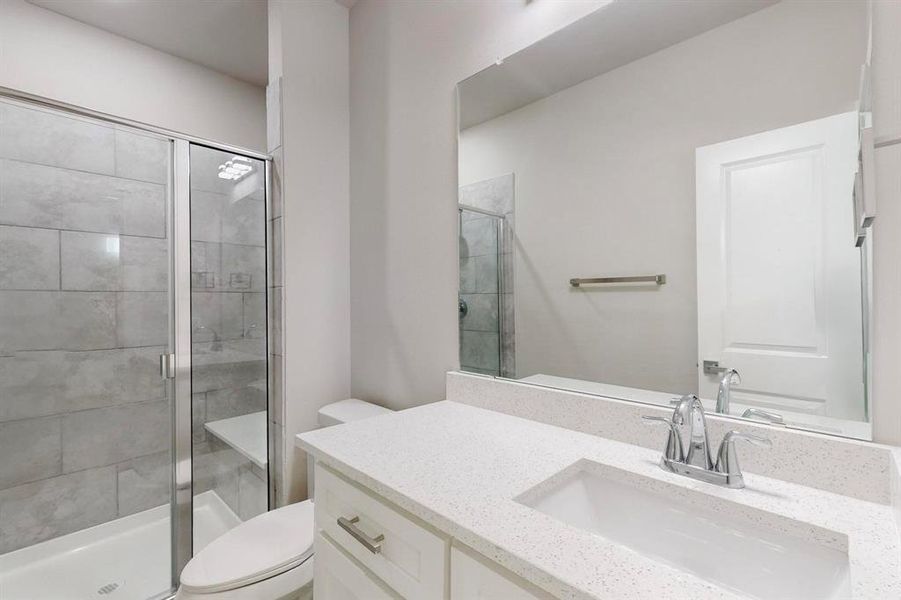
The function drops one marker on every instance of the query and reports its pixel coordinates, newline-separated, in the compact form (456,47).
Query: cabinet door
(473,579)
(411,559)
(338,577)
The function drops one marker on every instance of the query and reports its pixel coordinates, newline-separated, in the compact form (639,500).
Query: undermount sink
(745,550)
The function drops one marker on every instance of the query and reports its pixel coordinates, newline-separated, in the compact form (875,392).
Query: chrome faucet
(688,429)
(724,394)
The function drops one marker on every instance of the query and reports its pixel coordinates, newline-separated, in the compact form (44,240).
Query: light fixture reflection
(235,169)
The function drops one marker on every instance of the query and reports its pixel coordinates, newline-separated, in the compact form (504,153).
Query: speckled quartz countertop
(459,469)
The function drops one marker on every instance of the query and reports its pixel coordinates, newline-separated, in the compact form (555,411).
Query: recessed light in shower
(235,169)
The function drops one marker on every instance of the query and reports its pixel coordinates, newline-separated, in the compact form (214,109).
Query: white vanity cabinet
(475,578)
(367,549)
(338,577)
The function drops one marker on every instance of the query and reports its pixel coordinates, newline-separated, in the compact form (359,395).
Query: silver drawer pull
(373,544)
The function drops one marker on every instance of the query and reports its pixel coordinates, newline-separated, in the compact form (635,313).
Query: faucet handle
(774,418)
(673,450)
(756,440)
(727,459)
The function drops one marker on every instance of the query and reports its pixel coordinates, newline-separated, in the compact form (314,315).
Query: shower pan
(133,351)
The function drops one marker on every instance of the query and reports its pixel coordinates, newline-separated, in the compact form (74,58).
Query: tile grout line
(23,161)
(59,250)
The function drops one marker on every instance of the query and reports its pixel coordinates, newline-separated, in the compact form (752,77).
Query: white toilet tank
(343,411)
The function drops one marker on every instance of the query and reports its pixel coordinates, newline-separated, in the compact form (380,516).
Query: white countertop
(459,468)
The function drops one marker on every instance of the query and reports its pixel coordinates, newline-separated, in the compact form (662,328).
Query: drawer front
(409,558)
(338,577)
(474,579)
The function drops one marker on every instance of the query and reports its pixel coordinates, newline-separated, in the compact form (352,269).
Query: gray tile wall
(84,420)
(487,332)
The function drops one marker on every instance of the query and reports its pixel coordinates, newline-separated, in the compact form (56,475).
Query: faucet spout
(724,394)
(692,426)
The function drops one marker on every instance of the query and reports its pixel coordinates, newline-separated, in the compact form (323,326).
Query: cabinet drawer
(408,557)
(337,577)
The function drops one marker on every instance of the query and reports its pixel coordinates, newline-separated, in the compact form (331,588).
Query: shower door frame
(178,210)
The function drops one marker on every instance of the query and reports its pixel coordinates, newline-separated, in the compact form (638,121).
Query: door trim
(182,522)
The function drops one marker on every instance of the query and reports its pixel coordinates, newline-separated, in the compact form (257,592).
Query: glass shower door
(229,340)
(85,417)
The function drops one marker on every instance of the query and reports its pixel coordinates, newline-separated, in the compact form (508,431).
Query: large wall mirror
(673,197)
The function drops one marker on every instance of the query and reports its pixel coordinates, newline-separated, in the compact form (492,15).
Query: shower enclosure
(133,351)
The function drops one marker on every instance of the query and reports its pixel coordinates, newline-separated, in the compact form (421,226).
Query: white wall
(406,58)
(309,49)
(47,54)
(610,187)
(886,328)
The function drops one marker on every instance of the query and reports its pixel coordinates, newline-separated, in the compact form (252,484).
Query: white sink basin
(735,547)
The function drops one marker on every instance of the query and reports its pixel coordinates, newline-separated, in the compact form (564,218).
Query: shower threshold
(123,559)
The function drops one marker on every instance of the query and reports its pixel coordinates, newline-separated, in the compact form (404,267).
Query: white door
(779,278)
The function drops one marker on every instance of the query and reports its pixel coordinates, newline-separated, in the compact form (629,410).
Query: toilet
(269,557)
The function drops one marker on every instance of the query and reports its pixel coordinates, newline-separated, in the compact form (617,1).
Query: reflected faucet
(724,394)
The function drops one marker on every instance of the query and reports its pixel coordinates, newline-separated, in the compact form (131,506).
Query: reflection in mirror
(667,198)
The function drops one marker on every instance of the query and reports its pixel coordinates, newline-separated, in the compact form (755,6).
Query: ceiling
(612,36)
(229,37)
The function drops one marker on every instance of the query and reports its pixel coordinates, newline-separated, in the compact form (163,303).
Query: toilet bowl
(268,557)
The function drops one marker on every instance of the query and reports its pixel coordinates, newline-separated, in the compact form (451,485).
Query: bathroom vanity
(449,500)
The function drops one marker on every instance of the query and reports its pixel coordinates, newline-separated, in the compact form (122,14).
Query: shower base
(124,559)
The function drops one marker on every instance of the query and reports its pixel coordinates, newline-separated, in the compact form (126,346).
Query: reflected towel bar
(658,279)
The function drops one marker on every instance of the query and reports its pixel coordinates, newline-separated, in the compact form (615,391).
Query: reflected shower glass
(481,295)
(228,322)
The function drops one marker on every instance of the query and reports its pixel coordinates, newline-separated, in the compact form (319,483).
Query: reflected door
(779,277)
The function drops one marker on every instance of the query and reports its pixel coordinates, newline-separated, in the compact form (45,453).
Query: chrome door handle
(373,544)
(712,367)
(167,366)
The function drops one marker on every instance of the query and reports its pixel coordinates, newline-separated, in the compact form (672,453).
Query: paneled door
(779,277)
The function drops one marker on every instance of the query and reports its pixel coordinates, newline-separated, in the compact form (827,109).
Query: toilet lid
(257,549)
